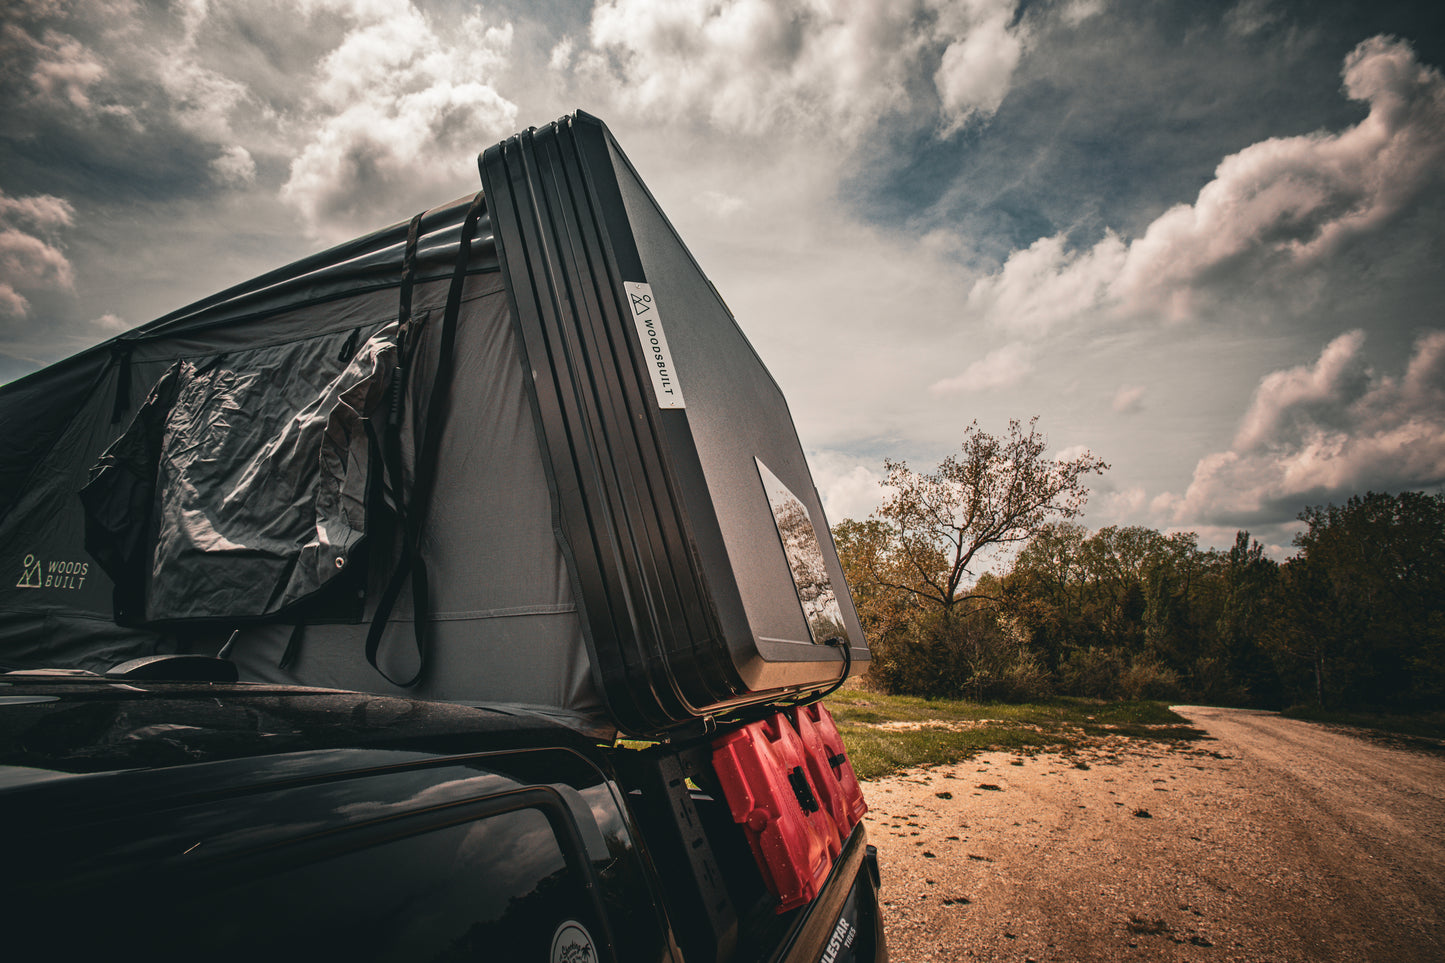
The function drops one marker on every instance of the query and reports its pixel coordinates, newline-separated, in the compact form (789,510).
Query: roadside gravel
(1273,840)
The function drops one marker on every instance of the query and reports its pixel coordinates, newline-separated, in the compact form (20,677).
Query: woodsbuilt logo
(654,344)
(54,574)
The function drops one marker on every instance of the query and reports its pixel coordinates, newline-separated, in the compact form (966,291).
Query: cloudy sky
(1202,240)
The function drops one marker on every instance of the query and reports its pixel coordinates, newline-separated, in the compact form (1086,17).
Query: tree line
(1355,619)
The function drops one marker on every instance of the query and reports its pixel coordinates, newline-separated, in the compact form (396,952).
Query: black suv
(216,820)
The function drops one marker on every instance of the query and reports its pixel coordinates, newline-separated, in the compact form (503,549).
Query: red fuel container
(832,773)
(764,771)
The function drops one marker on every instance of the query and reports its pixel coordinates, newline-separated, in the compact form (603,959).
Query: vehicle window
(497,888)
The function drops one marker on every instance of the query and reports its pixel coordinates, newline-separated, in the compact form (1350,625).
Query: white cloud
(235,167)
(44,211)
(1071,452)
(561,56)
(720,204)
(1000,368)
(1300,389)
(1119,507)
(826,67)
(1078,11)
(202,100)
(1047,284)
(64,71)
(849,487)
(376,104)
(29,261)
(1326,430)
(398,108)
(51,68)
(1129,399)
(1273,211)
(12,302)
(977,70)
(1249,17)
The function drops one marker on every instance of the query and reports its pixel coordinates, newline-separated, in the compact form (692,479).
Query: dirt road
(1272,839)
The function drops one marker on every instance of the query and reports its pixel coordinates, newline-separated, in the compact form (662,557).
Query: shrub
(952,655)
(1146,678)
(1024,679)
(1091,672)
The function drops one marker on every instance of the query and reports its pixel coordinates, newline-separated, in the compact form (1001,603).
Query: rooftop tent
(516,450)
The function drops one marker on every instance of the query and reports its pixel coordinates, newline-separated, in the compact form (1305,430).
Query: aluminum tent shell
(691,604)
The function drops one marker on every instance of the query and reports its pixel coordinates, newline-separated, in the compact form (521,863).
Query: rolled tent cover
(514,451)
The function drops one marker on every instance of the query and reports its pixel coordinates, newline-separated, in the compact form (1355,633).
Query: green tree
(1246,602)
(995,493)
(910,564)
(1366,601)
(885,611)
(1042,597)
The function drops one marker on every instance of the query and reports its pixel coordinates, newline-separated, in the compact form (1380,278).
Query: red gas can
(829,766)
(764,772)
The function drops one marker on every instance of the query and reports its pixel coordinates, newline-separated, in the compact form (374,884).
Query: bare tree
(995,492)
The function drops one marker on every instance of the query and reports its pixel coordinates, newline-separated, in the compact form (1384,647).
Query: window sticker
(573,944)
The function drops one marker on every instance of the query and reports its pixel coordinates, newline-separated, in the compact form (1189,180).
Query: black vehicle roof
(75,725)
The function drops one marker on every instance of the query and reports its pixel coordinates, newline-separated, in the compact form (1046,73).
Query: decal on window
(573,944)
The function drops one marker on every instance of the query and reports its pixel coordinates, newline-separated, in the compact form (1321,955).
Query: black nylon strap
(121,404)
(391,446)
(293,646)
(411,563)
(408,281)
(348,347)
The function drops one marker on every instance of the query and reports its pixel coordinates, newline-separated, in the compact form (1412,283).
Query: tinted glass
(805,559)
(497,888)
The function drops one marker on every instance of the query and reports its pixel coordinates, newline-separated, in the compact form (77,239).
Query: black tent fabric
(240,488)
(513,451)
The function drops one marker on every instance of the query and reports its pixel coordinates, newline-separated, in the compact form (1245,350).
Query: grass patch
(935,731)
(877,752)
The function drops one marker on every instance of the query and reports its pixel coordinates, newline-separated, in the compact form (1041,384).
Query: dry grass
(886,733)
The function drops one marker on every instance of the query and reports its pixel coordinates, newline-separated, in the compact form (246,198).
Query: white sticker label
(572,944)
(654,344)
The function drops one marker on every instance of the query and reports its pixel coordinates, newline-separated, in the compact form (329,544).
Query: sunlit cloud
(1324,431)
(398,107)
(1000,368)
(30,259)
(831,68)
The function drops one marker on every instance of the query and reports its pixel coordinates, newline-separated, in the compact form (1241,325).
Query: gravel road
(1271,839)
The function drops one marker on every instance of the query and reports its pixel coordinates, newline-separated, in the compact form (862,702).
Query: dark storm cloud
(1119,114)
(99,108)
(1281,211)
(279,118)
